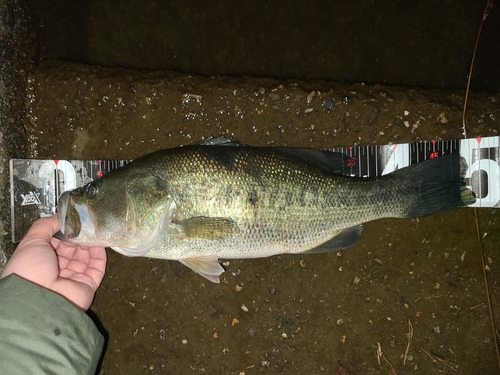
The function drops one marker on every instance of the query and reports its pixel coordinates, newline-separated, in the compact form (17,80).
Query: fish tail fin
(433,186)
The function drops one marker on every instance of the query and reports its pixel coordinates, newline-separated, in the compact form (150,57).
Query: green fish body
(199,203)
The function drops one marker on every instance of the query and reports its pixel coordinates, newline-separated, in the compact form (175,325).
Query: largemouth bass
(214,200)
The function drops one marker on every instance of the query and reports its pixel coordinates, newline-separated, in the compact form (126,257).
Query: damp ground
(409,297)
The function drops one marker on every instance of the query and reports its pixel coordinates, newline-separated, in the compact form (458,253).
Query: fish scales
(280,204)
(199,203)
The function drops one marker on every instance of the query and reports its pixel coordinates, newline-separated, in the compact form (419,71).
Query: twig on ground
(410,336)
(435,359)
(487,9)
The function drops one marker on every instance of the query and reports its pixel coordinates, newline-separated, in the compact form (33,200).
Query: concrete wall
(16,61)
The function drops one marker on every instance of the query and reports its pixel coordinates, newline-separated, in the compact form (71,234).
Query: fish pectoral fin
(206,266)
(210,228)
(342,239)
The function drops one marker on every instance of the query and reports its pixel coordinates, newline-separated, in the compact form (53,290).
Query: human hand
(72,271)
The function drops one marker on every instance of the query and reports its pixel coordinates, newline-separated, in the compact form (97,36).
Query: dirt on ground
(409,297)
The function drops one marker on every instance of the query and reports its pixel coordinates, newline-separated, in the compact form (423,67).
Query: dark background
(418,43)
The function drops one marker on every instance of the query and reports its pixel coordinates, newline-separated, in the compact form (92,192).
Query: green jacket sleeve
(43,333)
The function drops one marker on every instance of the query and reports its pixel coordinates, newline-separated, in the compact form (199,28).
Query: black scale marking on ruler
(36,184)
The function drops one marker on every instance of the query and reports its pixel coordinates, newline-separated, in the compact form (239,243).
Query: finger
(79,261)
(65,252)
(90,261)
(42,230)
(97,264)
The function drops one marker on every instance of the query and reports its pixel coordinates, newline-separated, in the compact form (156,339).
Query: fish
(221,200)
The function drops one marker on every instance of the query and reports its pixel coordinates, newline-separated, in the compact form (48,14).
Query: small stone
(346,100)
(329,104)
(311,96)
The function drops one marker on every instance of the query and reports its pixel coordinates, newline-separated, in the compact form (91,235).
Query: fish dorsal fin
(207,266)
(343,239)
(210,228)
(219,141)
(332,162)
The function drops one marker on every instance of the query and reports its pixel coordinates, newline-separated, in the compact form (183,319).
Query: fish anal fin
(206,266)
(343,239)
(211,228)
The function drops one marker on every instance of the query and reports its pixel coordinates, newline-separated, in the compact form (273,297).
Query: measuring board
(36,184)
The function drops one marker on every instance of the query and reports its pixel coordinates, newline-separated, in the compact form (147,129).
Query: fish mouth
(62,210)
(75,220)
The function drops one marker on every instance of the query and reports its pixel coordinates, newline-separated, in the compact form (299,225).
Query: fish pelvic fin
(206,266)
(342,239)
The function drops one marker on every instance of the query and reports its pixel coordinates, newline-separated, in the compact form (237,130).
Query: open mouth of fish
(75,220)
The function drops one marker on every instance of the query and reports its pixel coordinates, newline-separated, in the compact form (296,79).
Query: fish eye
(92,190)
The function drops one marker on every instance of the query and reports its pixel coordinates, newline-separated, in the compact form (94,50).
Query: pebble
(329,104)
(310,97)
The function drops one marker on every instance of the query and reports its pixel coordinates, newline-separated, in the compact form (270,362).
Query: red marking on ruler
(394,147)
(478,140)
(56,162)
(100,172)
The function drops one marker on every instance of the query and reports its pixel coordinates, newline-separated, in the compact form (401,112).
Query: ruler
(35,184)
